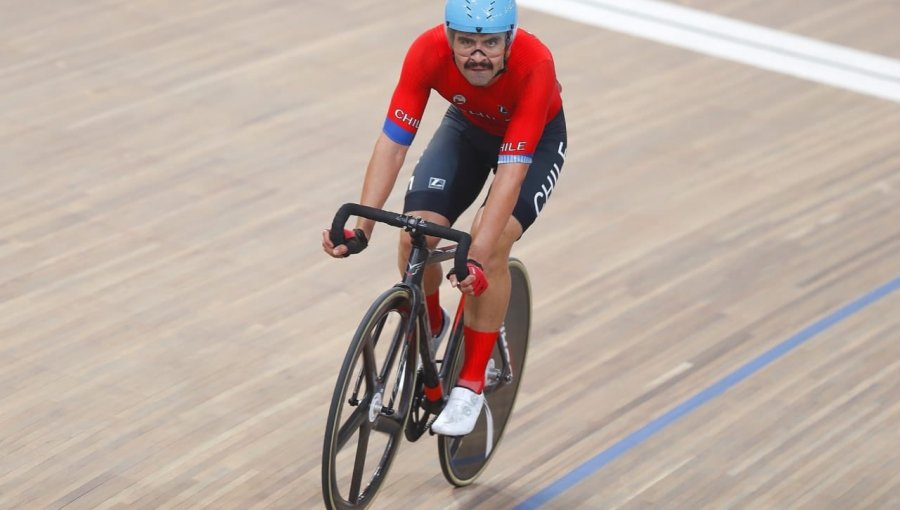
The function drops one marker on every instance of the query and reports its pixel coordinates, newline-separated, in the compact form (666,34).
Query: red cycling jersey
(516,107)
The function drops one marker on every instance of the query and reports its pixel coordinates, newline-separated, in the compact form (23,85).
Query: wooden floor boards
(170,331)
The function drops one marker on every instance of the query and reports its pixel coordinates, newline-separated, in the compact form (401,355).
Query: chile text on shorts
(551,180)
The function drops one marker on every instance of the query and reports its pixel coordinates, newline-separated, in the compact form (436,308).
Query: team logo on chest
(459,99)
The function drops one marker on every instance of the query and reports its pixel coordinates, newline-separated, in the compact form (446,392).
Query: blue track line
(639,436)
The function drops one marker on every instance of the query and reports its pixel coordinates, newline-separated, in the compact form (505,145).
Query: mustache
(471,64)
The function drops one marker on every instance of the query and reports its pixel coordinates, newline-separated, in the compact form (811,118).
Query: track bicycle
(391,384)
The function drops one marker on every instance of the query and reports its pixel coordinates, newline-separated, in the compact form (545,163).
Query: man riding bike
(505,116)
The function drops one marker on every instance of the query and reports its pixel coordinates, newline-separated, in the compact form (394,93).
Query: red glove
(481,282)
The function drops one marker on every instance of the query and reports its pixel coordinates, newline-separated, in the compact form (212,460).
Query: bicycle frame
(420,256)
(415,381)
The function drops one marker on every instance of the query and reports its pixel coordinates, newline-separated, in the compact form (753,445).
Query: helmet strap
(509,40)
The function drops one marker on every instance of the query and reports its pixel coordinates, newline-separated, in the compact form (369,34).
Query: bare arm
(381,175)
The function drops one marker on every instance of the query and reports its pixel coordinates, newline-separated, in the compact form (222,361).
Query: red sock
(435,316)
(479,346)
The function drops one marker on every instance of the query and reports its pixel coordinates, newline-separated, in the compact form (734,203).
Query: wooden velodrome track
(170,331)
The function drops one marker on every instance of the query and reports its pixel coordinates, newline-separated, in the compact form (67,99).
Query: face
(479,57)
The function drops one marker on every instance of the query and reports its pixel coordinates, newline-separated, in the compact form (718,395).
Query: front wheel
(370,404)
(464,458)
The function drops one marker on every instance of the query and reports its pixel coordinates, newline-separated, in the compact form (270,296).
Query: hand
(357,241)
(475,284)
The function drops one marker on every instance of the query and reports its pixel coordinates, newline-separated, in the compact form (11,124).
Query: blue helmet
(481,16)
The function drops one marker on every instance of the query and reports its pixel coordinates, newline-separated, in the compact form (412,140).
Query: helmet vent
(488,13)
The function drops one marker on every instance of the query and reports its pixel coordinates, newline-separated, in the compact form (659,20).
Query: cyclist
(505,116)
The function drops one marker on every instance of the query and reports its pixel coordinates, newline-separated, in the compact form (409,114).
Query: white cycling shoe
(460,414)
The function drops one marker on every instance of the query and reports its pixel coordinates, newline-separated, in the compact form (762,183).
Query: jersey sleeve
(527,124)
(411,94)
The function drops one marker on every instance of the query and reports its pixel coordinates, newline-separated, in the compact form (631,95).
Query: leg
(486,312)
(483,317)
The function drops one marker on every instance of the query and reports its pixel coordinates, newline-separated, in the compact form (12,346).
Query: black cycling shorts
(457,161)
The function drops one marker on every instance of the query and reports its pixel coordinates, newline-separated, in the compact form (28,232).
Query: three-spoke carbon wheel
(464,458)
(370,404)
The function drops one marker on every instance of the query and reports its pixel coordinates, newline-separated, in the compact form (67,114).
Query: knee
(497,261)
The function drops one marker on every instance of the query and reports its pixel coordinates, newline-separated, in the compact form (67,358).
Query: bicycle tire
(378,404)
(463,459)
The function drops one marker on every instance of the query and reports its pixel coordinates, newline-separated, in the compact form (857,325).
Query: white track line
(738,41)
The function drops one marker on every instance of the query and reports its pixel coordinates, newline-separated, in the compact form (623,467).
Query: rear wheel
(370,404)
(464,458)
